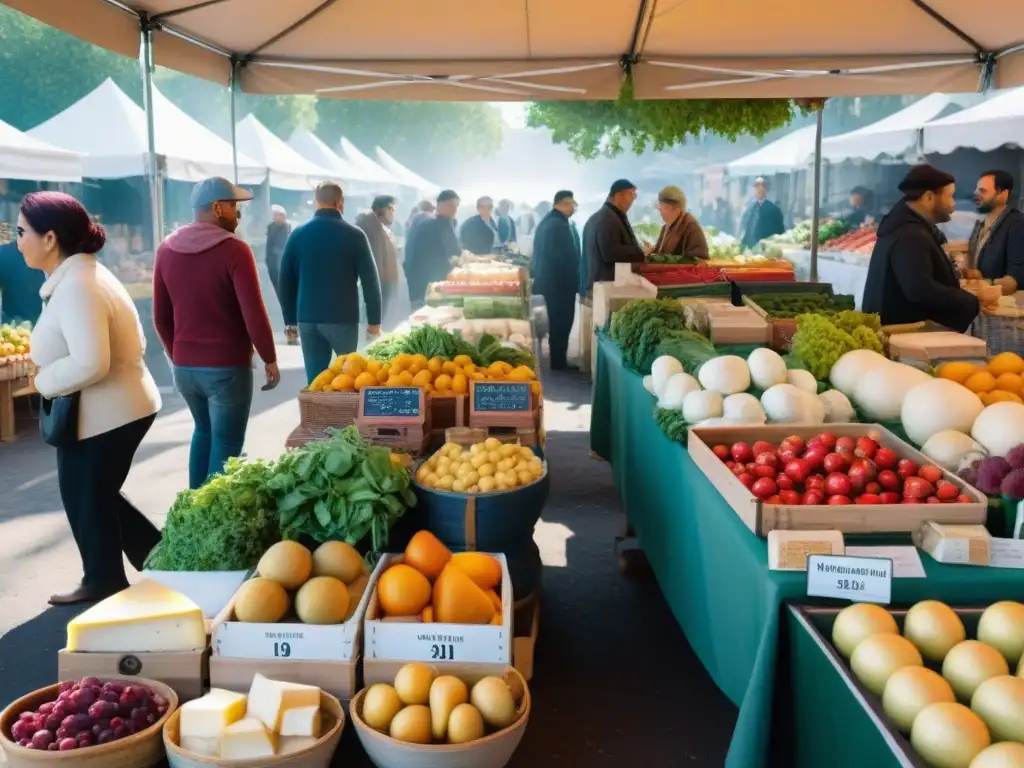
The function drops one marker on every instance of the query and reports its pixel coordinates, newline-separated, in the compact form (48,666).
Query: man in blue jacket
(324,262)
(19,287)
(556,273)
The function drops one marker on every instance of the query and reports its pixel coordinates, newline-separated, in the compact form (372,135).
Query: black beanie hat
(925,178)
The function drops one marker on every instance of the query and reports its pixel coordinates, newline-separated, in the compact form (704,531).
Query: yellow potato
(478,460)
(486,470)
(471,477)
(494,456)
(486,484)
(446,482)
(510,449)
(506,464)
(527,454)
(459,486)
(492,443)
(525,477)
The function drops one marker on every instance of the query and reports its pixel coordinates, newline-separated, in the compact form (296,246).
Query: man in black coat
(431,245)
(996,247)
(479,234)
(556,270)
(910,277)
(608,238)
(762,219)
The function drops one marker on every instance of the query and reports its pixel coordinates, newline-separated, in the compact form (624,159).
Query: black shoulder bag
(58,419)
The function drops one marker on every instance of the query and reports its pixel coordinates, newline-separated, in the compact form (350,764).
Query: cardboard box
(931,347)
(737,325)
(761,518)
(186,672)
(955,544)
(469,651)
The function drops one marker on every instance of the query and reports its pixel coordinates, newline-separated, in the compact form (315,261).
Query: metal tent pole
(234,119)
(816,215)
(153,175)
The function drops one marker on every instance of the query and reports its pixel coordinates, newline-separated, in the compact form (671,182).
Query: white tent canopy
(404,175)
(781,156)
(27,158)
(109,129)
(367,169)
(288,169)
(893,136)
(312,147)
(993,123)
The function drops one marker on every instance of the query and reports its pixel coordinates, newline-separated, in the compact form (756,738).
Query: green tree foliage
(593,129)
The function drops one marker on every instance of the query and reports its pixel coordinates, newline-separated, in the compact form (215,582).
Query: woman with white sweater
(99,398)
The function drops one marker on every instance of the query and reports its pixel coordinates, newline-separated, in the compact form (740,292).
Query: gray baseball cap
(217,189)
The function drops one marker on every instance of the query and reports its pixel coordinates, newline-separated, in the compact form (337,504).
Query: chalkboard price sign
(392,402)
(501,397)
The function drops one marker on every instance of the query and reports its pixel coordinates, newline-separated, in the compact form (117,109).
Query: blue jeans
(320,339)
(219,399)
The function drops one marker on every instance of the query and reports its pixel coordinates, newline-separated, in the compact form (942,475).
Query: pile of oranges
(1001,380)
(350,373)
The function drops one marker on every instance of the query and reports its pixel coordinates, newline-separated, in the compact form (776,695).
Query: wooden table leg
(7,427)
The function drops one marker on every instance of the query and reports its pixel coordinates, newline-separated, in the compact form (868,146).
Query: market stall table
(712,571)
(848,272)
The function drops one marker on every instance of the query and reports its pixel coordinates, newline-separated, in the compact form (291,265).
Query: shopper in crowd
(325,263)
(209,313)
(996,247)
(762,219)
(479,234)
(556,268)
(99,398)
(861,204)
(376,223)
(681,235)
(506,224)
(277,235)
(424,210)
(910,278)
(608,238)
(431,246)
(19,287)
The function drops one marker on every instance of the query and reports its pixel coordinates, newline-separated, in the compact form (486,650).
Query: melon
(802,380)
(261,601)
(880,392)
(1000,428)
(322,600)
(338,559)
(767,368)
(848,369)
(725,375)
(288,563)
(701,405)
(938,405)
(949,448)
(662,369)
(838,408)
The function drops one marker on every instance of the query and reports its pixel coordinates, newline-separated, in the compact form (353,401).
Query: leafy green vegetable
(688,347)
(672,258)
(638,328)
(819,341)
(672,423)
(226,525)
(492,349)
(490,307)
(427,340)
(340,489)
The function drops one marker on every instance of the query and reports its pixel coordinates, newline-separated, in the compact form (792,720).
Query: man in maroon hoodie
(209,313)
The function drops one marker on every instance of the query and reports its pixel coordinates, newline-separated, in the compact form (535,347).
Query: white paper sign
(860,579)
(1006,553)
(460,643)
(301,642)
(906,561)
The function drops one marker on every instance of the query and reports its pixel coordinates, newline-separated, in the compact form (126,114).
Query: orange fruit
(406,378)
(352,366)
(443,382)
(535,387)
(1010,382)
(384,373)
(395,380)
(343,382)
(477,376)
(1001,396)
(983,381)
(460,385)
(1006,362)
(956,371)
(434,365)
(462,360)
(427,554)
(415,367)
(365,379)
(403,591)
(374,366)
(484,570)
(422,379)
(420,360)
(449,367)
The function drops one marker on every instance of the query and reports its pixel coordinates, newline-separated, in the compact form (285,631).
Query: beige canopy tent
(494,50)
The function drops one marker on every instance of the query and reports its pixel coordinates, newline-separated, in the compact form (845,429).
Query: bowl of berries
(88,723)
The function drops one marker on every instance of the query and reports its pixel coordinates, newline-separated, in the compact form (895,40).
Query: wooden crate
(446,412)
(761,518)
(320,410)
(410,434)
(10,390)
(780,330)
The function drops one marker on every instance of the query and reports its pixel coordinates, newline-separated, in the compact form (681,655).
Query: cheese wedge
(288,744)
(301,721)
(206,717)
(269,700)
(201,745)
(246,740)
(144,618)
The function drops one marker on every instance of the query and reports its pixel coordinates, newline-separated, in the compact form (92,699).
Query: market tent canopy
(312,147)
(781,156)
(109,129)
(451,51)
(288,169)
(366,168)
(996,122)
(404,175)
(27,158)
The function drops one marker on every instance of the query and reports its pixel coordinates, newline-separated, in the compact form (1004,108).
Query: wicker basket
(320,410)
(492,751)
(1001,333)
(139,750)
(317,756)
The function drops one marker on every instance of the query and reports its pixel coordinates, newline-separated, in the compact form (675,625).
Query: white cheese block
(206,717)
(144,618)
(201,745)
(247,739)
(301,721)
(269,700)
(288,744)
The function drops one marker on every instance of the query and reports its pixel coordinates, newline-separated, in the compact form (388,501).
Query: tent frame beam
(324,5)
(950,26)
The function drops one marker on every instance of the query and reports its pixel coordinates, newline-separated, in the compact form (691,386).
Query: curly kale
(672,423)
(639,327)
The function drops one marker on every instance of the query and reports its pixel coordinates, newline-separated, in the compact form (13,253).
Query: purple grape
(24,742)
(67,744)
(87,696)
(62,733)
(111,696)
(47,708)
(19,730)
(120,732)
(128,700)
(65,687)
(117,688)
(26,716)
(54,746)
(62,709)
(90,681)
(52,722)
(42,739)
(159,700)
(105,736)
(116,721)
(84,739)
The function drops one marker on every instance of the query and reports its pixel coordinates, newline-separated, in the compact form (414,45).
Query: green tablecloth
(712,570)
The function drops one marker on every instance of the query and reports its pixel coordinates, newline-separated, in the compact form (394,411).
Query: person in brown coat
(681,235)
(376,223)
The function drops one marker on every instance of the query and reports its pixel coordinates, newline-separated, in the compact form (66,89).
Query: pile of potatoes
(482,468)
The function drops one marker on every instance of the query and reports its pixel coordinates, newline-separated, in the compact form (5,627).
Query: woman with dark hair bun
(99,398)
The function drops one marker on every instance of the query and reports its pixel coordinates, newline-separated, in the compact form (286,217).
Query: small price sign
(391,403)
(463,643)
(501,397)
(860,579)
